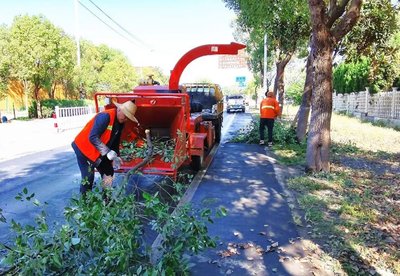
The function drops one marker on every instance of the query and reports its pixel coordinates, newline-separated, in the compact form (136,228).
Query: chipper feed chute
(165,115)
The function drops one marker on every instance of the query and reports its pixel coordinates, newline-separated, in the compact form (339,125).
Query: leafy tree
(118,75)
(87,76)
(34,49)
(254,39)
(329,25)
(62,72)
(295,92)
(366,39)
(252,88)
(286,24)
(4,62)
(157,73)
(373,38)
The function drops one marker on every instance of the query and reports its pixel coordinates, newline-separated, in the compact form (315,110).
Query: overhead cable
(133,36)
(134,42)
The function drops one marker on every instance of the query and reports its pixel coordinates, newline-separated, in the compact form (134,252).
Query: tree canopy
(42,57)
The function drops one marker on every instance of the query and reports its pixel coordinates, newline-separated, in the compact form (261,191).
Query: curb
(156,247)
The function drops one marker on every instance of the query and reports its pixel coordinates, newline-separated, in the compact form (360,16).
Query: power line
(109,25)
(135,37)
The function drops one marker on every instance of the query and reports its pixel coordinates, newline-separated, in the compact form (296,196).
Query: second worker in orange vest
(97,145)
(269,110)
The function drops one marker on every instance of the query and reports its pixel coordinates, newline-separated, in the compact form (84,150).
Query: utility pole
(78,52)
(265,63)
(78,47)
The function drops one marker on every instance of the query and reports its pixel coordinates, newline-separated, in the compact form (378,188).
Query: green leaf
(146,196)
(25,191)
(56,261)
(75,241)
(223,211)
(178,247)
(36,202)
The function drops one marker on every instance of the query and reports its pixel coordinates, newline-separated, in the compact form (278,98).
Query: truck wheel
(228,110)
(218,133)
(196,162)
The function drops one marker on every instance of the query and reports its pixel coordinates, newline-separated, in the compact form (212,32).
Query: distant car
(235,102)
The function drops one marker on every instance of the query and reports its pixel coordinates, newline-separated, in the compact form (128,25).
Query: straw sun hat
(129,110)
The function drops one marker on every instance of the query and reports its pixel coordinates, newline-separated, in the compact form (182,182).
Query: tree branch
(335,11)
(348,21)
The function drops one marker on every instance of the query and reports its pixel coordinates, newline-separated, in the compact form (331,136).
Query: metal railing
(73,117)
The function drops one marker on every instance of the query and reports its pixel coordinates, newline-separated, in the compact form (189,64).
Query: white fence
(73,117)
(384,105)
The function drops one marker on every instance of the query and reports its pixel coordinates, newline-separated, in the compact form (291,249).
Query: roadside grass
(353,212)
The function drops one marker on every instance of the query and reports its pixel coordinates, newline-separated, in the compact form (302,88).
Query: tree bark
(304,110)
(37,98)
(53,90)
(279,87)
(319,138)
(346,14)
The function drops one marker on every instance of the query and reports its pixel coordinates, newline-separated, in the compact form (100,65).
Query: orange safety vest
(269,108)
(82,139)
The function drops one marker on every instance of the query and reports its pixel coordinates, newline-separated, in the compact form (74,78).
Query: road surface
(34,156)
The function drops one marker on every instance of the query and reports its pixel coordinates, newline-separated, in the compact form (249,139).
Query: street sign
(240,79)
(242,84)
(233,61)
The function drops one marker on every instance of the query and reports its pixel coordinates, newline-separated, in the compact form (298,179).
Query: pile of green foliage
(138,149)
(108,238)
(283,133)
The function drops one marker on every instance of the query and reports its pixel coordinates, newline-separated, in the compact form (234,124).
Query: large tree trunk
(279,87)
(304,110)
(343,16)
(37,99)
(53,90)
(319,138)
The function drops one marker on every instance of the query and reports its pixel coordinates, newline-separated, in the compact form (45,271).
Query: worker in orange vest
(269,110)
(97,145)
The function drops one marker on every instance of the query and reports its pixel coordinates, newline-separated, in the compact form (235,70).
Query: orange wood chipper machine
(168,113)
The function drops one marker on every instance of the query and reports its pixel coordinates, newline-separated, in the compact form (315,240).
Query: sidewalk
(257,236)
(19,138)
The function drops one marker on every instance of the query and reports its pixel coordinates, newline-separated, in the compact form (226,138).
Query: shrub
(295,92)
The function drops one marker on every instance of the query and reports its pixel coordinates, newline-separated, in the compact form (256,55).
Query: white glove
(117,163)
(111,155)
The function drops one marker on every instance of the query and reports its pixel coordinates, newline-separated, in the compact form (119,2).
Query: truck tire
(196,162)
(218,133)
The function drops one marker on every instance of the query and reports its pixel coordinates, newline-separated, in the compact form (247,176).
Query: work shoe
(269,144)
(262,142)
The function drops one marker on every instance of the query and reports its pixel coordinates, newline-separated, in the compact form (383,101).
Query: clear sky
(168,29)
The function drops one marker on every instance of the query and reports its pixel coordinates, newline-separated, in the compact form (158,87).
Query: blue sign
(242,84)
(240,79)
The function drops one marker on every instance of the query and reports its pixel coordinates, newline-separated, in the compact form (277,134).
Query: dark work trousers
(87,172)
(270,126)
